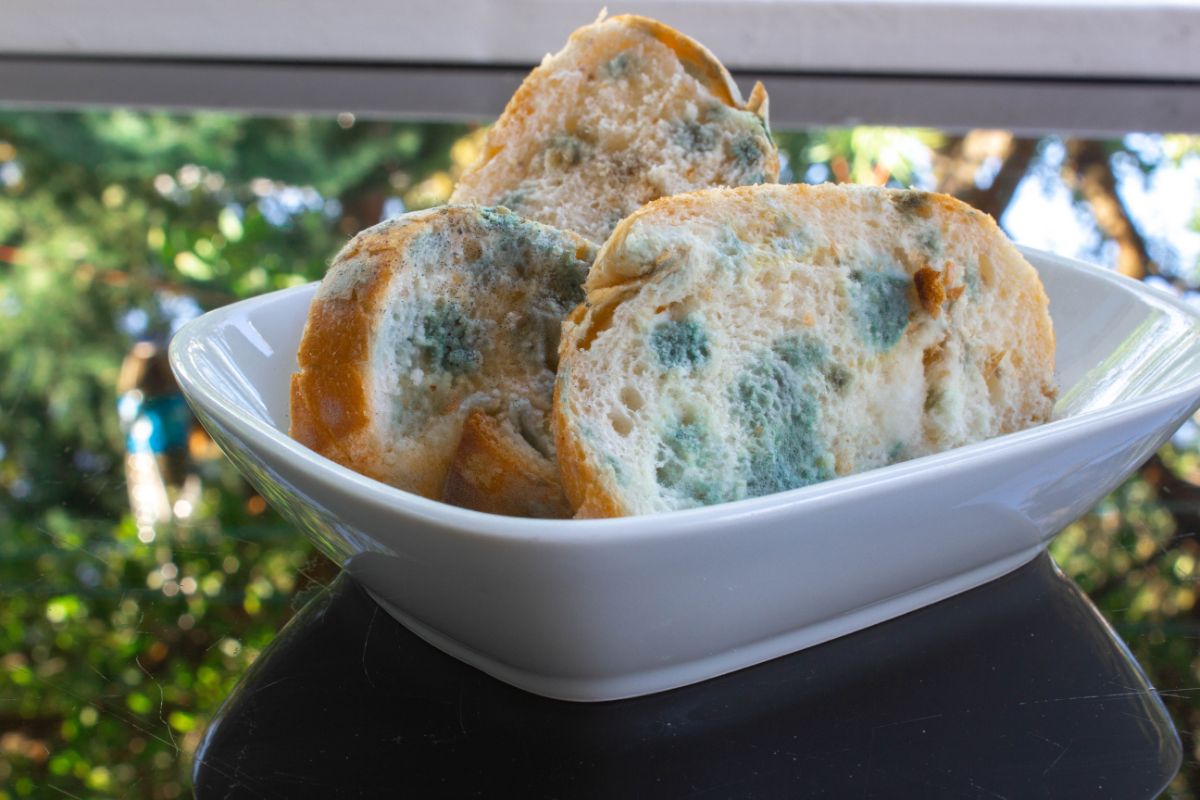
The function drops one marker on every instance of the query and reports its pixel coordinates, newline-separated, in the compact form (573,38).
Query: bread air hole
(993,370)
(622,424)
(986,272)
(601,319)
(632,398)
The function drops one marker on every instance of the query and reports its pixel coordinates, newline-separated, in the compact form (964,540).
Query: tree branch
(1088,172)
(1184,497)
(962,158)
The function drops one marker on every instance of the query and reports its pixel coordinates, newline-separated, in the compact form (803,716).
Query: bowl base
(673,676)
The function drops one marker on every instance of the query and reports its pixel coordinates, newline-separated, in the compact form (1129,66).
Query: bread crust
(581,482)
(699,61)
(621,271)
(330,411)
(493,472)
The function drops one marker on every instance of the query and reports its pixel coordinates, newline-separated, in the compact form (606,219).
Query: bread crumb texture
(629,111)
(421,320)
(740,342)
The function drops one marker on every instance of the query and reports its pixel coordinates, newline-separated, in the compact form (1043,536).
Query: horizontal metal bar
(1050,38)
(431,92)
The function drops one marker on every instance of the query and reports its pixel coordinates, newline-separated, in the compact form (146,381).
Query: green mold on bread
(745,341)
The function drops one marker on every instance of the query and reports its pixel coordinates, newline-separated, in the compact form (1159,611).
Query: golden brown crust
(580,481)
(330,411)
(306,426)
(697,59)
(758,102)
(491,473)
(1032,295)
(704,66)
(330,408)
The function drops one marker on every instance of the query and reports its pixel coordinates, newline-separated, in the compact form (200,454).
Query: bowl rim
(257,434)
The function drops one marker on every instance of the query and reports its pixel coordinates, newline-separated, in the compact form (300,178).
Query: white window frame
(1033,65)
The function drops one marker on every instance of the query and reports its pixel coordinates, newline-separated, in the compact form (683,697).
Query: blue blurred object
(155,424)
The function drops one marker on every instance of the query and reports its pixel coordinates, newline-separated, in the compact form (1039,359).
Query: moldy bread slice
(430,319)
(629,111)
(740,342)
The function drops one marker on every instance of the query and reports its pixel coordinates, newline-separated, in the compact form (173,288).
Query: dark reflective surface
(1015,689)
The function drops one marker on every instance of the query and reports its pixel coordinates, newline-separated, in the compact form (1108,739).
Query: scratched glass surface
(140,576)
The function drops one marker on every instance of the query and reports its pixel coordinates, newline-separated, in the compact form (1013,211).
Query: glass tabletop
(1018,688)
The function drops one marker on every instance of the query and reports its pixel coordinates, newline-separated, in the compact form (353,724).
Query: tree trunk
(962,158)
(1088,172)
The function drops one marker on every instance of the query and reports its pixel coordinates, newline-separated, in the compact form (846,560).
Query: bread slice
(498,472)
(424,320)
(739,342)
(629,111)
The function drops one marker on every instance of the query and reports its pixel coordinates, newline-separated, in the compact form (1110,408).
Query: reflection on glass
(158,428)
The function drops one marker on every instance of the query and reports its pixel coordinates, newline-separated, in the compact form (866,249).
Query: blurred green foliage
(115,651)
(1138,557)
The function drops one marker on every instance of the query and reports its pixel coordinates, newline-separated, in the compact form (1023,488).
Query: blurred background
(140,576)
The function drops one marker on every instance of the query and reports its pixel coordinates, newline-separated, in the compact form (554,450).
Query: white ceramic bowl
(604,609)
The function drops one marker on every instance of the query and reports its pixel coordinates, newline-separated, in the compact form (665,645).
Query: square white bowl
(605,609)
